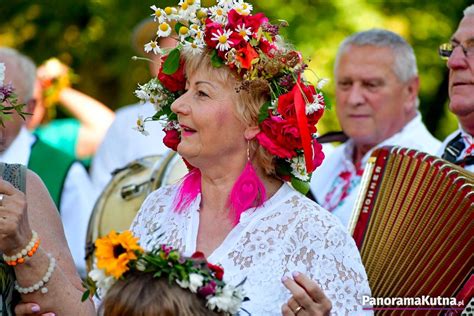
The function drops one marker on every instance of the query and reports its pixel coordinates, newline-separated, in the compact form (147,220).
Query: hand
(51,69)
(308,299)
(15,232)
(28,309)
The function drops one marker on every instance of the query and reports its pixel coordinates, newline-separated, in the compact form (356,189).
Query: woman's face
(211,133)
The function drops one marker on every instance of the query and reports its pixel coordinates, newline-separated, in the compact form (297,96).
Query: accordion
(413,223)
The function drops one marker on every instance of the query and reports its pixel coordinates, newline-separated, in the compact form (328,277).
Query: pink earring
(247,191)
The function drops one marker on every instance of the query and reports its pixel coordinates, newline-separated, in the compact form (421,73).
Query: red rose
(286,102)
(253,21)
(208,289)
(212,28)
(198,255)
(175,82)
(172,138)
(218,270)
(318,155)
(280,137)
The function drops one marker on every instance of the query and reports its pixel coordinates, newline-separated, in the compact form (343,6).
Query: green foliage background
(94,38)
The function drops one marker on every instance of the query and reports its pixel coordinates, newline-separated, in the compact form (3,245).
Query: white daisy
(218,14)
(298,168)
(187,12)
(243,8)
(183,32)
(194,48)
(141,126)
(164,30)
(153,46)
(158,14)
(223,39)
(318,104)
(171,13)
(227,4)
(244,31)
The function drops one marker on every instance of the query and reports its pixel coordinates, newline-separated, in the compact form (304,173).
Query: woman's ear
(251,132)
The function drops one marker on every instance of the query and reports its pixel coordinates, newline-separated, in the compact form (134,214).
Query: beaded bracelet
(28,251)
(41,285)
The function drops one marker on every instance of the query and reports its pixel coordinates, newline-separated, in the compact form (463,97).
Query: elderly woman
(245,122)
(36,264)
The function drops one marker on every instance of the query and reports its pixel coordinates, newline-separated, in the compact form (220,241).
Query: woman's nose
(181,105)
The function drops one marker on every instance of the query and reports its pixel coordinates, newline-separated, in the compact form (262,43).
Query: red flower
(218,270)
(212,28)
(252,21)
(286,102)
(281,137)
(266,47)
(318,155)
(198,255)
(245,56)
(175,82)
(208,289)
(172,138)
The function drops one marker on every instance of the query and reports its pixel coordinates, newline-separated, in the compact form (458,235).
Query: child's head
(141,294)
(160,282)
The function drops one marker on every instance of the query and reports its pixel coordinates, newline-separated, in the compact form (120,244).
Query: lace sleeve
(323,247)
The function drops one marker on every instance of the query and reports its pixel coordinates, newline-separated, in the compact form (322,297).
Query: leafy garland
(119,254)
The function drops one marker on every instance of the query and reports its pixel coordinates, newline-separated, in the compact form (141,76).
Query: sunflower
(114,252)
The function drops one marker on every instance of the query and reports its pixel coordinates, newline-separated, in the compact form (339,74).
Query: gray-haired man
(377,99)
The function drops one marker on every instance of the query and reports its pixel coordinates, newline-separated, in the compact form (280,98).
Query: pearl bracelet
(41,285)
(29,250)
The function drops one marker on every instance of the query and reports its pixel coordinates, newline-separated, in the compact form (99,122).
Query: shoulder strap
(15,174)
(52,167)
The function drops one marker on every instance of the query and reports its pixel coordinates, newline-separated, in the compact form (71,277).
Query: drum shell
(121,199)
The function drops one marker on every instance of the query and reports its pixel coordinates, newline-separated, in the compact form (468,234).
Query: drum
(121,199)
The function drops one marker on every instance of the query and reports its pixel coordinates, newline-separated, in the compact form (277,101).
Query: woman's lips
(186,131)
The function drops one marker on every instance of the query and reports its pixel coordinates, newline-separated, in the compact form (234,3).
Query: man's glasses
(445,50)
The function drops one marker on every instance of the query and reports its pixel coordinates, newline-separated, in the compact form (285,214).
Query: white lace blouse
(288,233)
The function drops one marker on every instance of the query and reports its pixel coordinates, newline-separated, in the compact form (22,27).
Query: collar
(468,138)
(20,149)
(409,129)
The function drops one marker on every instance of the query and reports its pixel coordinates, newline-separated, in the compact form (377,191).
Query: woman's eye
(202,94)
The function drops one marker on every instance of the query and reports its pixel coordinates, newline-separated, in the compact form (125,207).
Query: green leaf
(85,295)
(326,103)
(283,167)
(171,63)
(216,61)
(299,185)
(177,27)
(263,114)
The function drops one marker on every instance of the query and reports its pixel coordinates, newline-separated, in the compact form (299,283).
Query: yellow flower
(114,252)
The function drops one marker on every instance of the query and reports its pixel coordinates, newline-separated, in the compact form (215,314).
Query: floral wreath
(250,46)
(8,99)
(119,254)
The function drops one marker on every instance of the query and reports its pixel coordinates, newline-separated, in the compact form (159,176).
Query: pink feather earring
(247,191)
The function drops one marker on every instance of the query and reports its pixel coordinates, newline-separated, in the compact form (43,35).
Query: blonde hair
(248,101)
(142,294)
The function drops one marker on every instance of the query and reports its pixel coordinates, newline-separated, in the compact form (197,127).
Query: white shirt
(288,233)
(468,142)
(122,144)
(76,198)
(338,176)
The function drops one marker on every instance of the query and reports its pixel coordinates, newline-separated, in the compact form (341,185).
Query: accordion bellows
(413,222)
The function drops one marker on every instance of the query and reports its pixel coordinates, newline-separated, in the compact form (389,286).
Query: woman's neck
(215,190)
